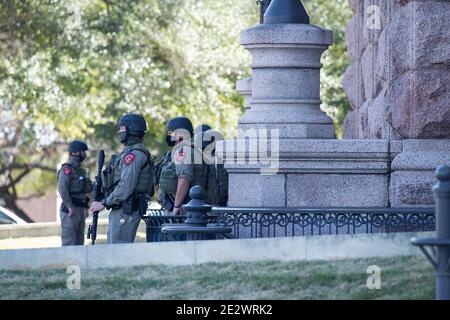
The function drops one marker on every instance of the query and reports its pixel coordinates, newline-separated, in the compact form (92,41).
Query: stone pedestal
(286,80)
(244,88)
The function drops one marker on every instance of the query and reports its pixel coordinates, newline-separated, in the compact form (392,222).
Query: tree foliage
(333,15)
(70,68)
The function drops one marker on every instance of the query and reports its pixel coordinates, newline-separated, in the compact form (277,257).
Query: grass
(401,278)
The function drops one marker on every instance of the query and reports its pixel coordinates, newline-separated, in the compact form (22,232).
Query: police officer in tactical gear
(180,169)
(74,188)
(127,182)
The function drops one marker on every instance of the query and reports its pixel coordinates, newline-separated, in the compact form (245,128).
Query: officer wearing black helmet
(199,135)
(181,168)
(74,187)
(127,182)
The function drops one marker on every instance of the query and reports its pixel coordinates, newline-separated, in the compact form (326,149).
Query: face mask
(123,136)
(170,142)
(82,156)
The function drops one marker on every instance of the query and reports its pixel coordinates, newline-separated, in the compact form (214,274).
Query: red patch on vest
(67,171)
(129,158)
(181,155)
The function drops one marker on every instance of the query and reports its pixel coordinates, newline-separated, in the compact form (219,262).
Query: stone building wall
(399,81)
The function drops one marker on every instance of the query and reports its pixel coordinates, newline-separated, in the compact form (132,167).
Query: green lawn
(401,278)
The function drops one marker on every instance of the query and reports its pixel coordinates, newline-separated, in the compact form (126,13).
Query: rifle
(98,196)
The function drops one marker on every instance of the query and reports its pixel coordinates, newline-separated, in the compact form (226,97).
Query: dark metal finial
(286,11)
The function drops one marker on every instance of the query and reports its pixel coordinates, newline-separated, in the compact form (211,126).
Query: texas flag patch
(128,159)
(67,171)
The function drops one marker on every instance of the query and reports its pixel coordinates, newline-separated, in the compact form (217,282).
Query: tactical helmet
(180,123)
(200,136)
(135,126)
(133,122)
(176,124)
(77,146)
(210,138)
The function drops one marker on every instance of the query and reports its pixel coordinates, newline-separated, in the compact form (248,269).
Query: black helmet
(180,123)
(199,135)
(175,124)
(135,125)
(133,122)
(202,128)
(77,146)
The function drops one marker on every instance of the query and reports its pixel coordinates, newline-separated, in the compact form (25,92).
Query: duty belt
(82,203)
(115,207)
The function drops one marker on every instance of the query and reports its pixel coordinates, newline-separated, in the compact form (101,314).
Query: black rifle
(98,196)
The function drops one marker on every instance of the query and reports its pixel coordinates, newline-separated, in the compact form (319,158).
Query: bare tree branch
(18,178)
(32,196)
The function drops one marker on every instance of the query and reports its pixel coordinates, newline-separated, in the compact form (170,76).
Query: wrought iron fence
(291,222)
(287,222)
(156,218)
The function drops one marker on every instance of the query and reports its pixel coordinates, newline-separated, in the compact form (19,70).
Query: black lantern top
(283,11)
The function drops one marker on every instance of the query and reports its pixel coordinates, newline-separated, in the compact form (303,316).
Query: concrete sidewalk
(48,235)
(328,247)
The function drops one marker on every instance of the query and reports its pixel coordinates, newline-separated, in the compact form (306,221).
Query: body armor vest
(80,184)
(113,172)
(168,178)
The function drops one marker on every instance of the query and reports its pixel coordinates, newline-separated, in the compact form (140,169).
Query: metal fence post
(440,246)
(196,225)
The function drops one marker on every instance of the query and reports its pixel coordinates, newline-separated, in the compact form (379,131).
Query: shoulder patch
(67,171)
(129,158)
(181,154)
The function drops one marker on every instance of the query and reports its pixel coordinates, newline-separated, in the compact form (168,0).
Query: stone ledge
(329,247)
(312,147)
(419,155)
(413,172)
(419,161)
(311,156)
(286,34)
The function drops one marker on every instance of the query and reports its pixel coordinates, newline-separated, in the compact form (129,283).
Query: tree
(25,31)
(333,15)
(70,68)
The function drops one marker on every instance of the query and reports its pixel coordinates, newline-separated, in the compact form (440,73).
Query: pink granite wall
(399,81)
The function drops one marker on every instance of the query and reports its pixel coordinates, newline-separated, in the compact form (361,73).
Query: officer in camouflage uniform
(128,182)
(74,187)
(180,169)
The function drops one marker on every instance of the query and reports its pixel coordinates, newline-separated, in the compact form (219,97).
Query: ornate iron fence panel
(286,222)
(292,222)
